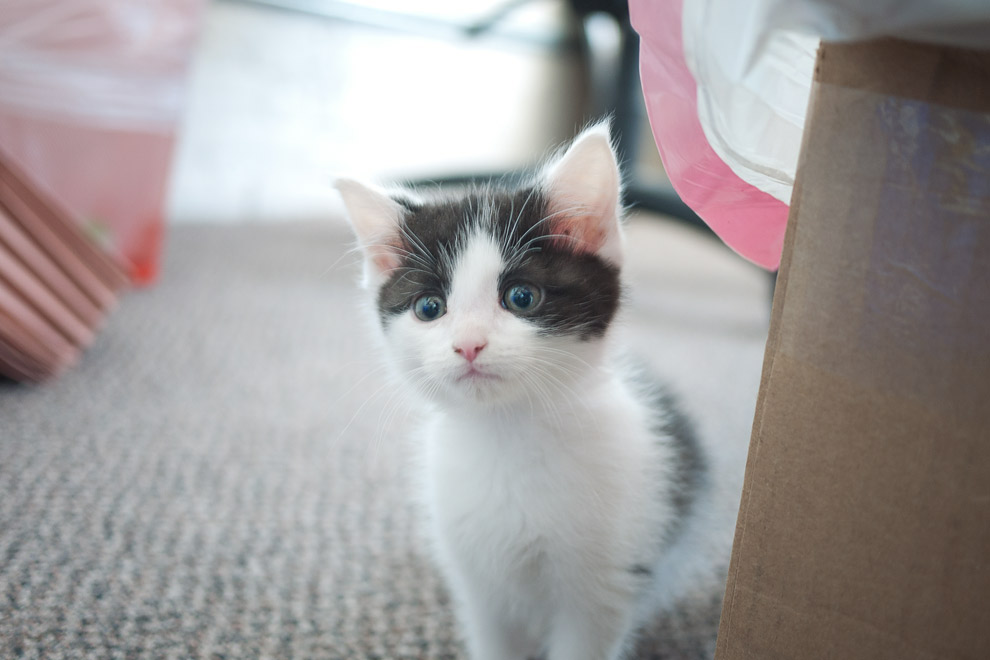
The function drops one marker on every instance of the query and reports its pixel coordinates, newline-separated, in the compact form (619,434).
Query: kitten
(565,494)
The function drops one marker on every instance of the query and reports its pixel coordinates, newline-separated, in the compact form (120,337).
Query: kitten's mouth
(473,374)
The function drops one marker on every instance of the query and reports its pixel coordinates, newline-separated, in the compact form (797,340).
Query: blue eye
(429,308)
(521,298)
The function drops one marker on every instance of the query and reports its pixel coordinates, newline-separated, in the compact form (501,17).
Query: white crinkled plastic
(753,62)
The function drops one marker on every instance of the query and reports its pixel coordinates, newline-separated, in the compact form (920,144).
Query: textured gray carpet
(223,475)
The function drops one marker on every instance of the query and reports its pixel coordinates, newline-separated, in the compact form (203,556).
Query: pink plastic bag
(749,221)
(726,86)
(90,94)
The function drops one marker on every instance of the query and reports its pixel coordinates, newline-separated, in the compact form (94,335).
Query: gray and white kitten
(565,498)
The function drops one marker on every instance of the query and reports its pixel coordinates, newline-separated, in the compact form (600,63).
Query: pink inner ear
(384,258)
(583,232)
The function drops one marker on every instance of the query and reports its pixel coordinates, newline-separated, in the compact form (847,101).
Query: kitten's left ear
(375,218)
(583,187)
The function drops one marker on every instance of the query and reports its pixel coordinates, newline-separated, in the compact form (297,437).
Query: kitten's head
(498,294)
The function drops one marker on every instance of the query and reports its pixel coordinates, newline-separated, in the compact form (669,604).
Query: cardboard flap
(864,530)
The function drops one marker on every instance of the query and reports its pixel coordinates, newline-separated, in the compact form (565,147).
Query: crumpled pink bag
(747,219)
(90,96)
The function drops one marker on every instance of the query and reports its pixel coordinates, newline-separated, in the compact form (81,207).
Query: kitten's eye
(429,308)
(521,298)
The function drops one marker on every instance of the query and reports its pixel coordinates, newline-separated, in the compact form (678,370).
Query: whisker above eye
(416,242)
(538,225)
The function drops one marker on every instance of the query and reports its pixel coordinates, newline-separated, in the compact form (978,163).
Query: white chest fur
(534,513)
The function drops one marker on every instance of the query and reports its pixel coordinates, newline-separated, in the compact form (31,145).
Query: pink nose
(469,350)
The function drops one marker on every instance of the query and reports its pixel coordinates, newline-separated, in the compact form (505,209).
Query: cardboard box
(864,527)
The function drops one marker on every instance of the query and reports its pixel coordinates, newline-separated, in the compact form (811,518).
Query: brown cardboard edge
(769,356)
(887,67)
(907,69)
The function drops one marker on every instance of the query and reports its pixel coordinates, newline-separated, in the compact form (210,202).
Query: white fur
(542,479)
(543,488)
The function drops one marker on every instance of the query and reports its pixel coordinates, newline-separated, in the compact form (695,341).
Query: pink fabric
(750,221)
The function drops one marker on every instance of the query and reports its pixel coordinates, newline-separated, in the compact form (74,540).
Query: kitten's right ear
(583,187)
(376,218)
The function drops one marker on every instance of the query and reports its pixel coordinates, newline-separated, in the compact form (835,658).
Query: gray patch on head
(581,292)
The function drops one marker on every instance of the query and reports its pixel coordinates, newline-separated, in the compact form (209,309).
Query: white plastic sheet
(727,84)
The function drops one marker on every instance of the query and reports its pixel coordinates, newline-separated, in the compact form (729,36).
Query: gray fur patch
(581,292)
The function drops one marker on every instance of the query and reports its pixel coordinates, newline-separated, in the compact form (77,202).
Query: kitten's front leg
(489,636)
(585,632)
